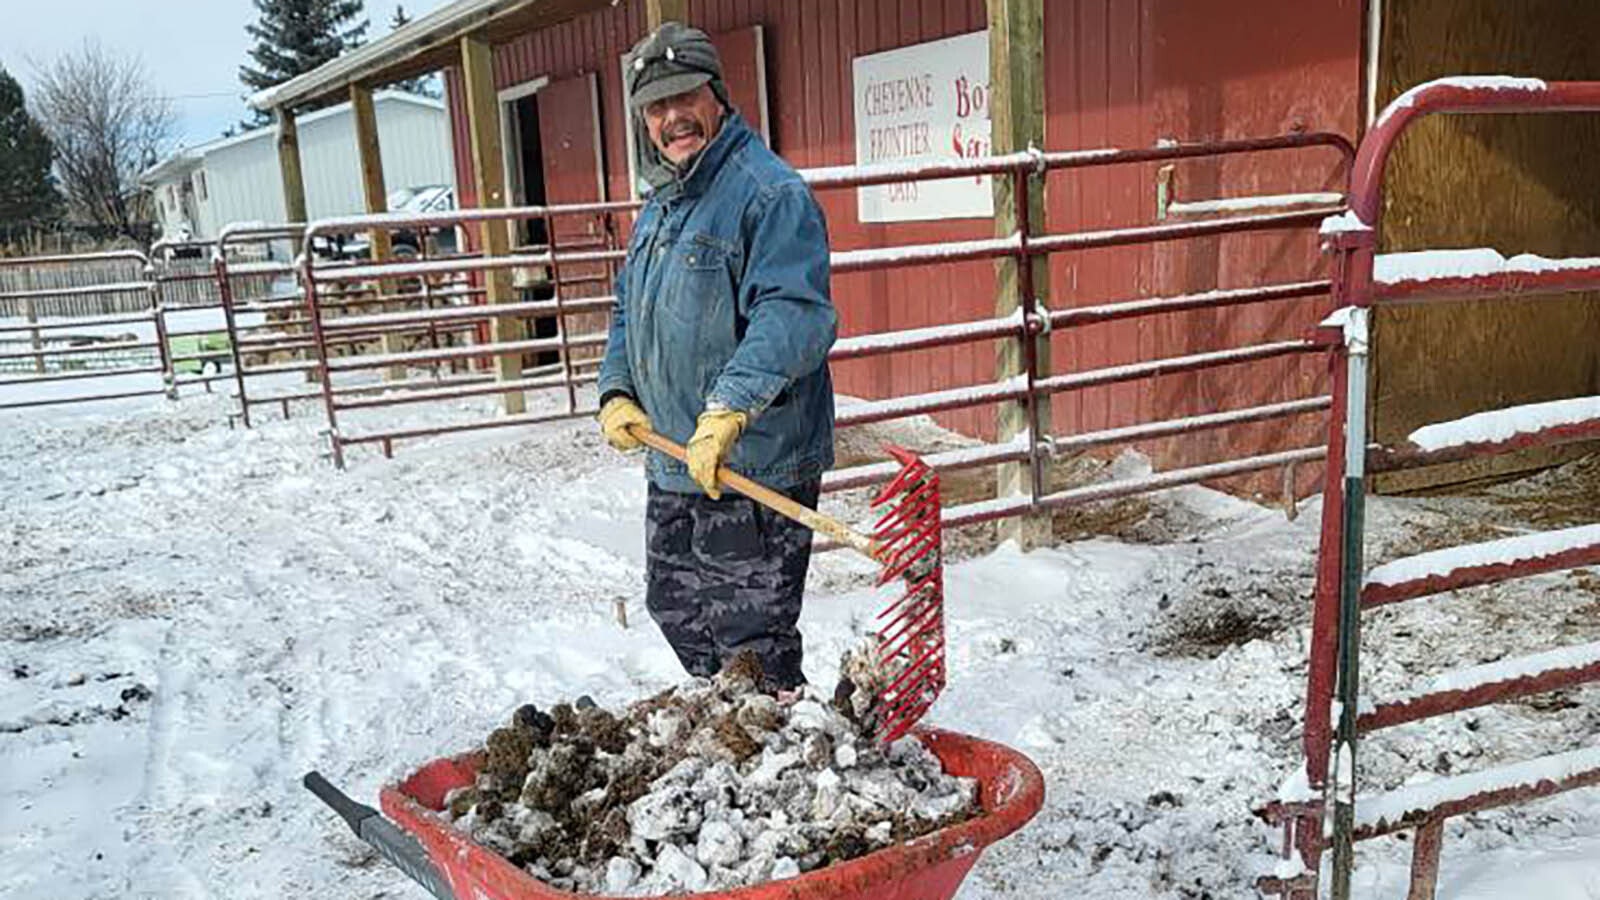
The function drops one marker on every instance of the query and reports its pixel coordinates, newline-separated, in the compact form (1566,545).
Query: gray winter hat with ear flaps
(670,60)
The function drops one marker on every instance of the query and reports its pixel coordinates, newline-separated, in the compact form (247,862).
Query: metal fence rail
(562,282)
(1030,386)
(183,282)
(60,352)
(280,342)
(1034,388)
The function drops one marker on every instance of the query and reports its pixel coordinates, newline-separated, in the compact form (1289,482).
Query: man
(719,339)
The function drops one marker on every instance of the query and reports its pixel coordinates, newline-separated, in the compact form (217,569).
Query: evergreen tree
(296,36)
(28,194)
(425,85)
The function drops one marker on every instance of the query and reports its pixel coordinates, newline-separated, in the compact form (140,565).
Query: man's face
(683,124)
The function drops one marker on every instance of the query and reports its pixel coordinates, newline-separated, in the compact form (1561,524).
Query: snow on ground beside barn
(191,617)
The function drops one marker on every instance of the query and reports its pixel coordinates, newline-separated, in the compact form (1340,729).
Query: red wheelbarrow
(452,867)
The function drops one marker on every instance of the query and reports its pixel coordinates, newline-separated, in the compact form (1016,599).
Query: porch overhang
(428,44)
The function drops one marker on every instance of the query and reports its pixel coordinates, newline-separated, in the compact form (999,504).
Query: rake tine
(915,501)
(904,712)
(902,727)
(923,596)
(911,643)
(925,661)
(908,556)
(908,542)
(910,531)
(906,481)
(914,625)
(911,467)
(914,657)
(920,513)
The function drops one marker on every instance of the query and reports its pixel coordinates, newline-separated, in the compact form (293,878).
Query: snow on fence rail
(1499,426)
(1481,685)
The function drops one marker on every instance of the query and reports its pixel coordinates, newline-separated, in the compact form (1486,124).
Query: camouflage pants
(727,575)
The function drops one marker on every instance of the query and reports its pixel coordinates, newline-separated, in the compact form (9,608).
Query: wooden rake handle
(768,497)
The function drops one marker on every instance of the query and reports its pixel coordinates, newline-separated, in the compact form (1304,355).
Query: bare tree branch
(107,125)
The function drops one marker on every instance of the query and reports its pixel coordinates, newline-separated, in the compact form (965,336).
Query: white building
(198,190)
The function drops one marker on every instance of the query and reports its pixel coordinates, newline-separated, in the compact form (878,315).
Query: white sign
(924,103)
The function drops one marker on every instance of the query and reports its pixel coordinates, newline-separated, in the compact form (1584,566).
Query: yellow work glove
(616,417)
(713,437)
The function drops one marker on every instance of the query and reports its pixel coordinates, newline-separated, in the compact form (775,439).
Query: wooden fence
(174,293)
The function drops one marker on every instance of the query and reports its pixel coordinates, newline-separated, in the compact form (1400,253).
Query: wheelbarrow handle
(769,498)
(383,836)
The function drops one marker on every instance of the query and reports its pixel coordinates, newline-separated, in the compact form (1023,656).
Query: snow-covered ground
(191,617)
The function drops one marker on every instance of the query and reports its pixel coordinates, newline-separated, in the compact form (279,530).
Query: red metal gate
(1336,715)
(563,271)
(184,281)
(280,343)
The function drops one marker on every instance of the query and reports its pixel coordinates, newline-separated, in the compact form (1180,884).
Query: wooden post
(377,199)
(31,313)
(488,167)
(1016,116)
(658,11)
(294,185)
(294,198)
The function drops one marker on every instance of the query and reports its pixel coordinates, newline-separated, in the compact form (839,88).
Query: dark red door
(569,135)
(569,132)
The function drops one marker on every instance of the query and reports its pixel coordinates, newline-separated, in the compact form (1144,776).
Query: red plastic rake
(908,542)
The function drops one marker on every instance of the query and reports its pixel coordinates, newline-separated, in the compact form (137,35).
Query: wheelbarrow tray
(931,867)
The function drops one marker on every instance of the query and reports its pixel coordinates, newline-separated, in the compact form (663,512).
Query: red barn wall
(1119,73)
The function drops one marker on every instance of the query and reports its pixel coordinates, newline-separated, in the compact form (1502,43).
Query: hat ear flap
(720,90)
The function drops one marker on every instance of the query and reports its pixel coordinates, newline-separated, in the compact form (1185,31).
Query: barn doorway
(524,150)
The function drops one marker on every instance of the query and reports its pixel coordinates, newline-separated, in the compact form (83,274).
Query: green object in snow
(202,349)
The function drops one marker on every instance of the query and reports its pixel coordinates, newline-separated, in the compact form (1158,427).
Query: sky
(192,48)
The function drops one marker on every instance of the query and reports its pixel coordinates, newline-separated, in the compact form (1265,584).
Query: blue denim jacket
(724,298)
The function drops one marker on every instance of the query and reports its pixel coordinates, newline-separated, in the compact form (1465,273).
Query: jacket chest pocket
(698,295)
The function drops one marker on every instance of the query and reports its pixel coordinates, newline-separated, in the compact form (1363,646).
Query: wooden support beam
(372,187)
(294,185)
(488,168)
(377,200)
(294,192)
(1016,116)
(658,11)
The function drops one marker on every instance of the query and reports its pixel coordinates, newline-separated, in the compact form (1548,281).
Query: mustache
(682,128)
